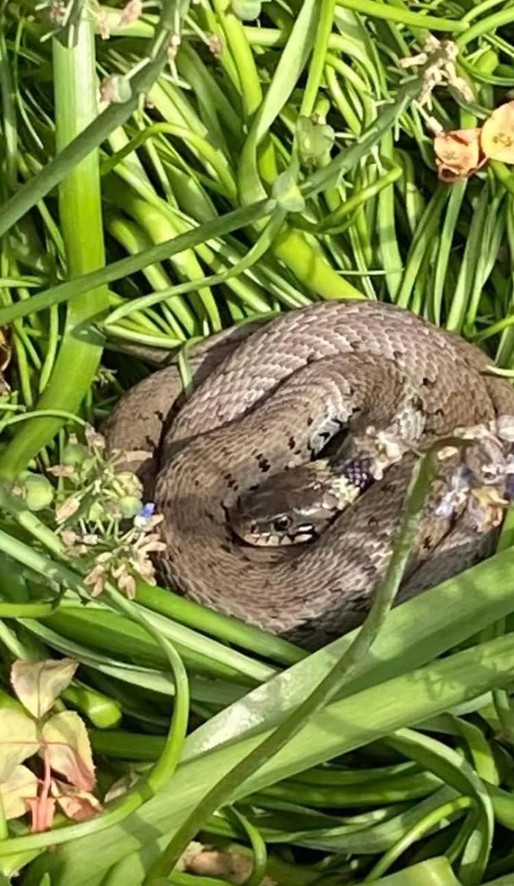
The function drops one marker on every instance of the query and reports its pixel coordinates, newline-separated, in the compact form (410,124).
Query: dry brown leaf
(231,866)
(121,786)
(5,349)
(78,805)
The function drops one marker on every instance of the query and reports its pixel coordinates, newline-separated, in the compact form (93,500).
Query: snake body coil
(268,402)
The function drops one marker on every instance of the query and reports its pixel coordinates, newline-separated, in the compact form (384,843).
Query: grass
(279,158)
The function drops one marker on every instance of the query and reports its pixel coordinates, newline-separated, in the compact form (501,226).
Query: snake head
(291,507)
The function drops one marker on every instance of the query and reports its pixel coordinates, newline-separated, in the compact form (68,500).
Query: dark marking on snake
(370,569)
(231,482)
(360,603)
(264,464)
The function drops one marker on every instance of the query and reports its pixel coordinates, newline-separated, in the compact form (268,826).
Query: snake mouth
(273,539)
(254,535)
(282,532)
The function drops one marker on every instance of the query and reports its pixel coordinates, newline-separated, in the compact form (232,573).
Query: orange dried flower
(458,154)
(462,152)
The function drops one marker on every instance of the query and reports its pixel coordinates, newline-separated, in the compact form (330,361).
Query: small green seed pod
(130,506)
(38,492)
(74,454)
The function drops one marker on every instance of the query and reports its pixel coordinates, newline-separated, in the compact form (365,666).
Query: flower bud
(129,506)
(74,454)
(38,492)
(128,484)
(96,512)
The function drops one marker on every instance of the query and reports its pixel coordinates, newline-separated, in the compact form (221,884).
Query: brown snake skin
(260,396)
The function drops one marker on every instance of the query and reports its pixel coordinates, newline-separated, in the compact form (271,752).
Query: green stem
(191,614)
(210,154)
(426,825)
(318,61)
(251,92)
(225,224)
(168,760)
(249,82)
(404,16)
(264,242)
(308,263)
(485,26)
(388,114)
(97,131)
(81,224)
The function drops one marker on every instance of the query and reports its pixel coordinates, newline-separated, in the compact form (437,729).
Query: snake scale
(266,399)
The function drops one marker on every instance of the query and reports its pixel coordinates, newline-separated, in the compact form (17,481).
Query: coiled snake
(267,401)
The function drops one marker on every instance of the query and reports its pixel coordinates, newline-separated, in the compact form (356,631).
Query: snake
(258,522)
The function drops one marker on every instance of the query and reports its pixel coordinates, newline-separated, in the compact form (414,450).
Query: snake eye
(282,523)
